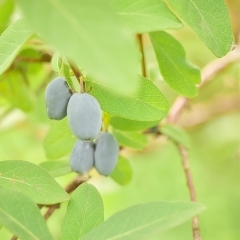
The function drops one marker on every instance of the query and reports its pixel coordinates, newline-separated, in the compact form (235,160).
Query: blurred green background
(212,120)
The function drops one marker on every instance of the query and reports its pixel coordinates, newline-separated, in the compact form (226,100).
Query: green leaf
(122,173)
(146,15)
(148,104)
(56,62)
(130,125)
(134,140)
(209,20)
(91,35)
(177,134)
(84,212)
(14,88)
(145,220)
(59,141)
(176,71)
(21,216)
(31,180)
(56,168)
(11,42)
(6,9)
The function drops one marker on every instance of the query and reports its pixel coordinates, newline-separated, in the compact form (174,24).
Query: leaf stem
(78,75)
(141,46)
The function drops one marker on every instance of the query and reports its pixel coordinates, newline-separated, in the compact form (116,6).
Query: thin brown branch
(207,73)
(185,162)
(141,46)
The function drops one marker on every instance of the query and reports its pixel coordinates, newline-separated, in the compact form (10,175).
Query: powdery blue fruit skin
(57,96)
(106,153)
(84,116)
(82,157)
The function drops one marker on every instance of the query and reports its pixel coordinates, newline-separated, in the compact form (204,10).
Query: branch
(208,72)
(78,75)
(191,188)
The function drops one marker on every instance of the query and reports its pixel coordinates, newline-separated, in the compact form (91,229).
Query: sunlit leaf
(84,212)
(21,216)
(31,180)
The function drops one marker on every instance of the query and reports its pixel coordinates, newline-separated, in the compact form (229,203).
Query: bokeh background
(212,120)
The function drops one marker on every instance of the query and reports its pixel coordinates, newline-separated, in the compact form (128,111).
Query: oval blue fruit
(82,157)
(106,153)
(84,116)
(57,96)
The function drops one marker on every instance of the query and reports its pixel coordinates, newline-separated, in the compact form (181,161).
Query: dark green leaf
(89,33)
(59,140)
(56,168)
(31,180)
(146,15)
(122,173)
(134,140)
(145,220)
(131,125)
(148,104)
(22,216)
(84,212)
(176,71)
(209,20)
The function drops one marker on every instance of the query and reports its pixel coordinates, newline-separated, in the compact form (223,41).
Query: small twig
(79,76)
(141,46)
(208,72)
(184,154)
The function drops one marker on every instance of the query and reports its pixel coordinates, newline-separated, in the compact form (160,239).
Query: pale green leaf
(122,173)
(56,62)
(21,216)
(31,180)
(209,20)
(146,15)
(145,220)
(84,212)
(6,9)
(177,134)
(131,125)
(176,71)
(89,33)
(65,71)
(56,168)
(148,104)
(59,140)
(11,42)
(131,139)
(14,88)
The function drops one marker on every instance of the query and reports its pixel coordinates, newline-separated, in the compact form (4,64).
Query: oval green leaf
(176,71)
(144,221)
(98,42)
(56,168)
(84,212)
(146,15)
(21,216)
(122,173)
(11,42)
(31,180)
(177,134)
(209,20)
(59,140)
(131,125)
(148,104)
(135,140)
